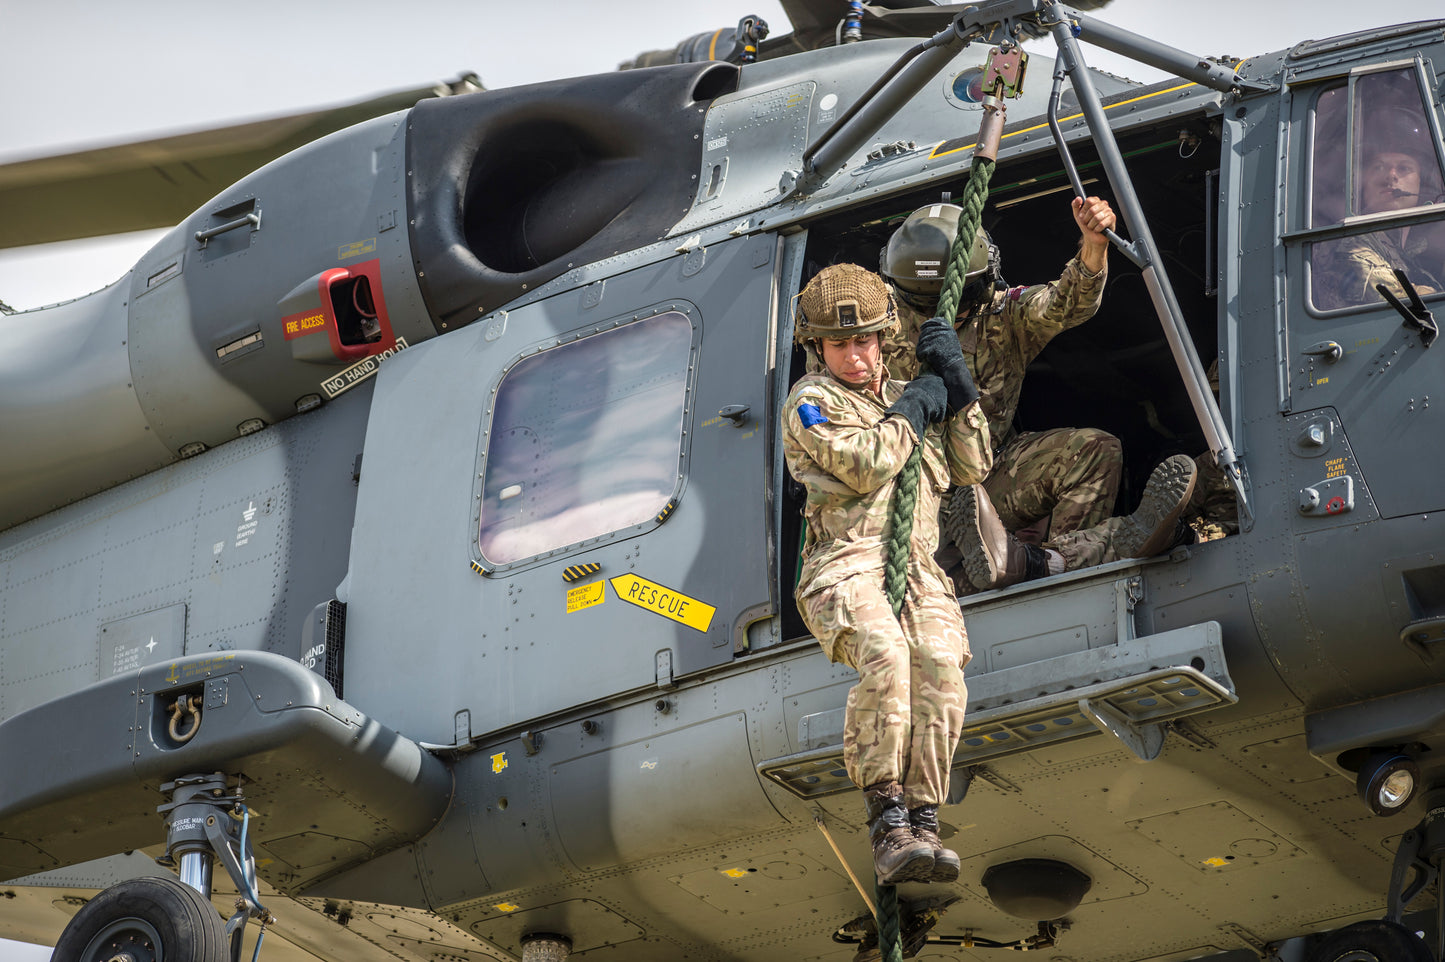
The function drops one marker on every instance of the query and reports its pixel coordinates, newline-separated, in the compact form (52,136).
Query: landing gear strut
(1416,868)
(164,918)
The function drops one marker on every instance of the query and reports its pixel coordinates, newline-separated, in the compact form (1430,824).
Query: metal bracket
(1146,741)
(1409,858)
(1128,592)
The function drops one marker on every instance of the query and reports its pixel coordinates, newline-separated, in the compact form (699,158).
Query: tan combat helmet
(844,300)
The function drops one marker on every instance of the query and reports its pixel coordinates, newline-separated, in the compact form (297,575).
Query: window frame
(1304,237)
(689,312)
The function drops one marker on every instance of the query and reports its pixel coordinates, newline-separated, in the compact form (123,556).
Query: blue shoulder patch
(810,415)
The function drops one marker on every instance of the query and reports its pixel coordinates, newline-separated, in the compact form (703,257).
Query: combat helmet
(916,256)
(844,300)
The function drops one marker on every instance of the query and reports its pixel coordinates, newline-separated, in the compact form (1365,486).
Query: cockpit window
(585,439)
(1375,155)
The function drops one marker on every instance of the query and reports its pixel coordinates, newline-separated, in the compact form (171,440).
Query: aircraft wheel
(145,920)
(1375,941)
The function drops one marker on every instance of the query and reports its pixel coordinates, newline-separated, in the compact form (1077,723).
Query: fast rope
(905,493)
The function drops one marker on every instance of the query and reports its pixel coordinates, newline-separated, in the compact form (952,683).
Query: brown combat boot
(897,855)
(924,820)
(1152,529)
(992,558)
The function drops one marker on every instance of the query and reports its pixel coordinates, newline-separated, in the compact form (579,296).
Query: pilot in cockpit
(1398,170)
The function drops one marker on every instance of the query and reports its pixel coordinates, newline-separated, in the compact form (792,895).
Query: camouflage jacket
(1345,272)
(840,445)
(1001,341)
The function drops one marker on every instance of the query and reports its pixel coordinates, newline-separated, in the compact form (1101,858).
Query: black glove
(938,347)
(924,402)
(938,344)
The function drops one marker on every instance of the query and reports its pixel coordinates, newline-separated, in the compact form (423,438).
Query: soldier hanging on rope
(848,433)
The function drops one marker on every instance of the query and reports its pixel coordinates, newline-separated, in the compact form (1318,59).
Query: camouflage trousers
(1068,475)
(903,718)
(1212,511)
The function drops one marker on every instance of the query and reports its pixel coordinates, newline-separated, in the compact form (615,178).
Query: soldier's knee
(1100,445)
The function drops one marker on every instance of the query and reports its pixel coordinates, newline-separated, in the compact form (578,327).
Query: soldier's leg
(938,646)
(854,623)
(934,627)
(1213,511)
(1151,529)
(1069,475)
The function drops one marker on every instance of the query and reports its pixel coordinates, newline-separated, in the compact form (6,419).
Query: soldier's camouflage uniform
(1070,475)
(1212,510)
(903,718)
(1346,271)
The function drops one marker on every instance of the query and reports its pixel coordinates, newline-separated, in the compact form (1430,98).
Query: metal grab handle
(1055,94)
(204,236)
(1329,350)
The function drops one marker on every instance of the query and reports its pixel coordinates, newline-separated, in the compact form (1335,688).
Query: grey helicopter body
(416,508)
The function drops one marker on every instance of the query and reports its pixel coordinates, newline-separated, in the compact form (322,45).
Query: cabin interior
(1115,371)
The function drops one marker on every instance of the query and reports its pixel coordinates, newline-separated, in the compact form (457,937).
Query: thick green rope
(900,530)
(905,492)
(890,928)
(974,196)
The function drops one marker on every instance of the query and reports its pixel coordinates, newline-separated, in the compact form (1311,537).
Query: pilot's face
(856,361)
(1392,182)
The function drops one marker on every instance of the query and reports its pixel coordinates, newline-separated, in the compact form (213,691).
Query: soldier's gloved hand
(938,344)
(924,402)
(938,347)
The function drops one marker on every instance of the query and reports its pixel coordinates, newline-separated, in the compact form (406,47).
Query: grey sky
(80,73)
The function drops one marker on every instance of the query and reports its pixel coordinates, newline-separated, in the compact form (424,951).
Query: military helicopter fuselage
(416,512)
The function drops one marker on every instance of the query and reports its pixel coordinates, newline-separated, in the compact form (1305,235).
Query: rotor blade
(157,183)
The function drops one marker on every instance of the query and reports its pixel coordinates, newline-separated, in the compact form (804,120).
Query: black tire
(151,919)
(1375,941)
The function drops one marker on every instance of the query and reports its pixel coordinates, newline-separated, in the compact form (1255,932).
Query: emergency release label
(585,596)
(662,600)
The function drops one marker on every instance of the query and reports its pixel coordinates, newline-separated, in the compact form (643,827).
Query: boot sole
(919,868)
(944,871)
(963,528)
(1165,495)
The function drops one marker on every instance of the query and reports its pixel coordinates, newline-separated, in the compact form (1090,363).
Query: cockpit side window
(1375,156)
(585,439)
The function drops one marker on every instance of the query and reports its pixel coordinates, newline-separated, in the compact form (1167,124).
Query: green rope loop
(905,492)
(890,929)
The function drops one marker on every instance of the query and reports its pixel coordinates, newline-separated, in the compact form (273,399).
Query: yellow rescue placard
(585,596)
(662,600)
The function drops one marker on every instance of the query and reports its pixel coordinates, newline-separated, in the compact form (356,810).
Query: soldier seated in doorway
(1060,484)
(1065,478)
(848,432)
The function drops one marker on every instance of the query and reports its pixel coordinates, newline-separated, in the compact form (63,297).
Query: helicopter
(402,555)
